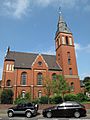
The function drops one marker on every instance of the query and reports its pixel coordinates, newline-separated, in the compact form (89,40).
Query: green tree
(7,96)
(86,81)
(48,87)
(60,86)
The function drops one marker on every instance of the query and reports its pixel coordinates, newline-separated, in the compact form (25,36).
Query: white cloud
(79,47)
(15,8)
(62,3)
(82,76)
(19,8)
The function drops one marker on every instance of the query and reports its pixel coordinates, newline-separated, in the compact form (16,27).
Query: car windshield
(61,105)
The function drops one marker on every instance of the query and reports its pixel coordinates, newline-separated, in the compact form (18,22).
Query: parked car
(69,108)
(27,109)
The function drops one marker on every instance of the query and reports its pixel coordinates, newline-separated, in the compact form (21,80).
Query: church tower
(65,54)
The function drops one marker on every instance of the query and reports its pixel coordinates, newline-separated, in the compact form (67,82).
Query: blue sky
(30,26)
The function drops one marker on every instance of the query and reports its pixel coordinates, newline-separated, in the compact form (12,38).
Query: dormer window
(40,63)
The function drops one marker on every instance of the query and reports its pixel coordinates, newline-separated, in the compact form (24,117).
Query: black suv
(27,109)
(65,109)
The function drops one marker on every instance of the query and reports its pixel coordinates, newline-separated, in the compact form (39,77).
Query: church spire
(8,49)
(62,26)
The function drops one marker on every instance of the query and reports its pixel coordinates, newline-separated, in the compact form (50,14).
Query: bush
(43,100)
(81,97)
(36,101)
(70,97)
(21,100)
(56,99)
(7,96)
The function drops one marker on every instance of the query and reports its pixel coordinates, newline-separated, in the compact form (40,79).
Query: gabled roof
(25,60)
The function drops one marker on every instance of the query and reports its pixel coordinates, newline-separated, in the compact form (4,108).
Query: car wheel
(28,114)
(10,114)
(48,114)
(77,114)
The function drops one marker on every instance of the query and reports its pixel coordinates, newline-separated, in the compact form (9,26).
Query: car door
(60,110)
(20,109)
(68,110)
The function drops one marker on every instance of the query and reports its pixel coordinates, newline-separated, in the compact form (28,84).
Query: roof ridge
(31,53)
(24,52)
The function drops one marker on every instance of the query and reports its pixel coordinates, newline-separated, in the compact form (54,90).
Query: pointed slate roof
(62,26)
(25,60)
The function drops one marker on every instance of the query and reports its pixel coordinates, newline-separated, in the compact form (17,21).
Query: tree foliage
(60,86)
(48,87)
(7,96)
(87,84)
(21,100)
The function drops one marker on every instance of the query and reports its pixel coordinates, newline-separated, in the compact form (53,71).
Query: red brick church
(25,72)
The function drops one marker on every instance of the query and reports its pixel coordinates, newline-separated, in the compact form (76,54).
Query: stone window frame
(8,83)
(39,78)
(23,78)
(54,76)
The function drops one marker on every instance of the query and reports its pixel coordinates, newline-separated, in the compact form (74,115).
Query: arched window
(70,71)
(67,40)
(8,83)
(39,79)
(69,58)
(54,76)
(72,86)
(23,78)
(70,41)
(39,94)
(23,94)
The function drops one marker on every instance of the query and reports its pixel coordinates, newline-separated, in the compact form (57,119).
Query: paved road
(40,117)
(3,116)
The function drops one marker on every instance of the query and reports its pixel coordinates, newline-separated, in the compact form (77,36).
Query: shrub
(36,101)
(21,100)
(56,99)
(43,100)
(7,96)
(70,97)
(81,97)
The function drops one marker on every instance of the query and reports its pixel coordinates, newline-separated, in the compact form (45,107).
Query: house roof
(25,60)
